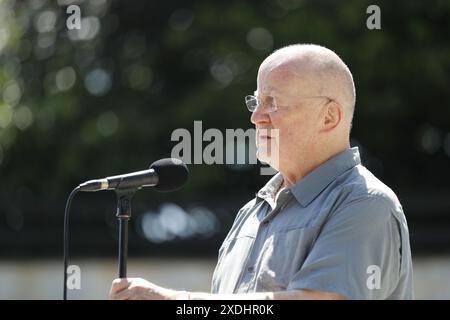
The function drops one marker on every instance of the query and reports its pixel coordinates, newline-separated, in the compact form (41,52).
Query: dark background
(104,101)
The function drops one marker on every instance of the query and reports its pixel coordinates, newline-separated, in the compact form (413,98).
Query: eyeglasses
(252,102)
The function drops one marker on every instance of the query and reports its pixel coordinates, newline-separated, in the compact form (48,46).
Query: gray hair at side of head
(334,77)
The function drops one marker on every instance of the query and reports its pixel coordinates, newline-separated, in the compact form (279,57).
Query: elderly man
(324,227)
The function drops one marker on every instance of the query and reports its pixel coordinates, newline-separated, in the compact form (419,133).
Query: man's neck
(303,168)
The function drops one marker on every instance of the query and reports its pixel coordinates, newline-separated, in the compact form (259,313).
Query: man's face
(285,135)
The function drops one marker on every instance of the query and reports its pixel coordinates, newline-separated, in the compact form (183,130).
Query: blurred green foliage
(104,100)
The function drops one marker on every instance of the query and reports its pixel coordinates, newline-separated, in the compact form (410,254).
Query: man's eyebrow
(271,93)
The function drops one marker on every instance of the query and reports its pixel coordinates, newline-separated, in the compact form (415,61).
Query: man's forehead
(278,87)
(286,80)
(275,83)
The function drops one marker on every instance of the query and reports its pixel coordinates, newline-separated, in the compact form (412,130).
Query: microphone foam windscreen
(172,174)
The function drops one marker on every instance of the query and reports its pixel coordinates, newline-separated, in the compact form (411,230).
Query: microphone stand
(124,215)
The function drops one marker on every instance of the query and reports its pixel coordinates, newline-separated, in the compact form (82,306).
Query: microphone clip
(124,197)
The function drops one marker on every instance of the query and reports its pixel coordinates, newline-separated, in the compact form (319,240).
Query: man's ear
(332,115)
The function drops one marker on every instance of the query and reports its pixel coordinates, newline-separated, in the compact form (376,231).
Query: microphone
(165,175)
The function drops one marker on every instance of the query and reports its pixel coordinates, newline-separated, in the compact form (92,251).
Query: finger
(119,285)
(125,294)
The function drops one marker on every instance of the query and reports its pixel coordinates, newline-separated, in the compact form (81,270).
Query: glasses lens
(251,102)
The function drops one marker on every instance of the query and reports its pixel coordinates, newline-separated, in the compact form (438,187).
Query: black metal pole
(123,247)
(124,215)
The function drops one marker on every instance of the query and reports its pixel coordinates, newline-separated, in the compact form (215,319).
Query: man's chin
(266,159)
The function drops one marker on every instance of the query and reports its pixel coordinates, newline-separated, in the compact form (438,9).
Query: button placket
(243,276)
(263,227)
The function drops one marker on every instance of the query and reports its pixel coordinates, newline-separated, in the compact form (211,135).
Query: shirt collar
(308,188)
(269,191)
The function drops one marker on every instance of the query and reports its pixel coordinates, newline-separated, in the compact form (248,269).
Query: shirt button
(250,269)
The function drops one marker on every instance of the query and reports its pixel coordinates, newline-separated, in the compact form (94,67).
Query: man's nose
(259,116)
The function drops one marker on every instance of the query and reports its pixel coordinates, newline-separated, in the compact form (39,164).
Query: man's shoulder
(246,208)
(362,186)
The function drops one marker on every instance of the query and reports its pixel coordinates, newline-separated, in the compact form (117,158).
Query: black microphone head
(172,174)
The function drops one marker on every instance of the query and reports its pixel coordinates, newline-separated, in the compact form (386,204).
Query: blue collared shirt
(339,229)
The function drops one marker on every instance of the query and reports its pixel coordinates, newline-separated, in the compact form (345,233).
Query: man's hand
(141,289)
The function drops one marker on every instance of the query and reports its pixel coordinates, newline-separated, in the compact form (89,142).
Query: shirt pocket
(282,256)
(242,242)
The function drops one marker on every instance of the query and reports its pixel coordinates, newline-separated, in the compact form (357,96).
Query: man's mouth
(264,134)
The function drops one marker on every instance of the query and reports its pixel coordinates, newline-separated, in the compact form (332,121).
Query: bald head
(303,128)
(314,71)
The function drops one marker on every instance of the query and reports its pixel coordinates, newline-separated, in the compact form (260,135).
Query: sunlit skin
(311,131)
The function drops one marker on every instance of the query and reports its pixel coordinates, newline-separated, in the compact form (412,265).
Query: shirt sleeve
(357,253)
